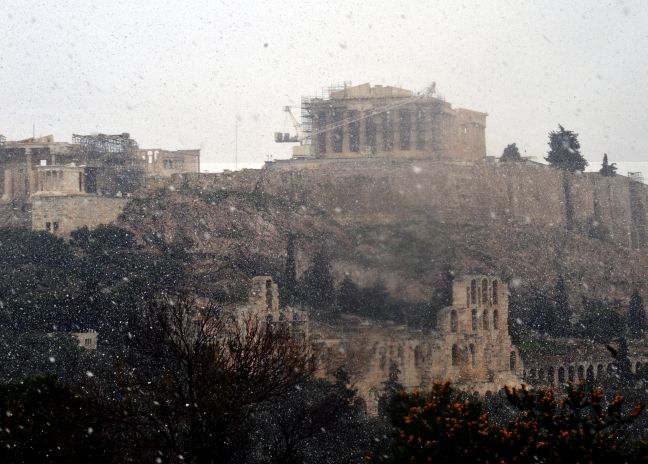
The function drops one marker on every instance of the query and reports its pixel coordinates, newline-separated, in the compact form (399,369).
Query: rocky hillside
(403,224)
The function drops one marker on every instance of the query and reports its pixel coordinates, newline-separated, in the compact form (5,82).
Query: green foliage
(636,315)
(601,321)
(391,387)
(288,286)
(317,289)
(545,311)
(543,347)
(511,153)
(46,421)
(438,425)
(564,151)
(349,296)
(579,428)
(316,422)
(441,425)
(377,303)
(102,239)
(559,324)
(607,170)
(27,354)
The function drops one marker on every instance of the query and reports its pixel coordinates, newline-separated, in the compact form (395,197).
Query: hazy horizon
(179,75)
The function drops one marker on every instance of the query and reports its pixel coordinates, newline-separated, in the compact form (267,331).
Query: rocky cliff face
(403,223)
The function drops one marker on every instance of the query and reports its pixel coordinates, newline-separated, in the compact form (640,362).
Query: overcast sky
(178,74)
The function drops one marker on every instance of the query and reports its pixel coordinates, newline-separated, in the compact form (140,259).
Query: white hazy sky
(177,74)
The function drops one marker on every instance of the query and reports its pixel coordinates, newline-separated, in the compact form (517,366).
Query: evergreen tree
(317,288)
(636,314)
(391,387)
(564,151)
(377,302)
(511,153)
(559,323)
(442,295)
(622,361)
(607,170)
(290,272)
(349,297)
(601,321)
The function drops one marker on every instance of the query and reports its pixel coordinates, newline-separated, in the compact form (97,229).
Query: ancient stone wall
(458,193)
(365,121)
(470,347)
(63,214)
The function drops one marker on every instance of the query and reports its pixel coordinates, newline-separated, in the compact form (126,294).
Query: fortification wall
(459,193)
(65,214)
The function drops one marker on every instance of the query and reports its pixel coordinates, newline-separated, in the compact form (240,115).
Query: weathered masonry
(384,121)
(60,186)
(470,347)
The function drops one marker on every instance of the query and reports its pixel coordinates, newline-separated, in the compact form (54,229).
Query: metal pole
(236,145)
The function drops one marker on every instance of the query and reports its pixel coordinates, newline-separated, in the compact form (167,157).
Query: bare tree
(196,374)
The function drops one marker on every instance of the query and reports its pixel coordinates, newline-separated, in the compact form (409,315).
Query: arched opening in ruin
(637,367)
(494,290)
(581,372)
(495,319)
(455,355)
(474,320)
(599,371)
(550,375)
(532,374)
(485,319)
(561,374)
(541,375)
(589,376)
(473,291)
(453,321)
(609,369)
(472,355)
(570,373)
(512,360)
(484,291)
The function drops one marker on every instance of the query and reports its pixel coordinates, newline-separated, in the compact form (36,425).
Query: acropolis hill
(402,222)
(402,206)
(397,185)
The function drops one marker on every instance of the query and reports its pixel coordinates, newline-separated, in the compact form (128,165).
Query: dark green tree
(607,170)
(559,324)
(636,315)
(442,295)
(391,388)
(44,420)
(349,296)
(377,302)
(601,320)
(290,272)
(317,289)
(511,153)
(317,423)
(564,151)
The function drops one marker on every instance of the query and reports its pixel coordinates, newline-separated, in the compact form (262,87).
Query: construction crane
(285,137)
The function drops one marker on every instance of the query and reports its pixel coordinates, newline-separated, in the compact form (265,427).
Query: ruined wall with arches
(470,347)
(561,370)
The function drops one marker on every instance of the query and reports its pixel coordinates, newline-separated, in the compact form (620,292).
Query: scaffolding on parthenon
(307,109)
